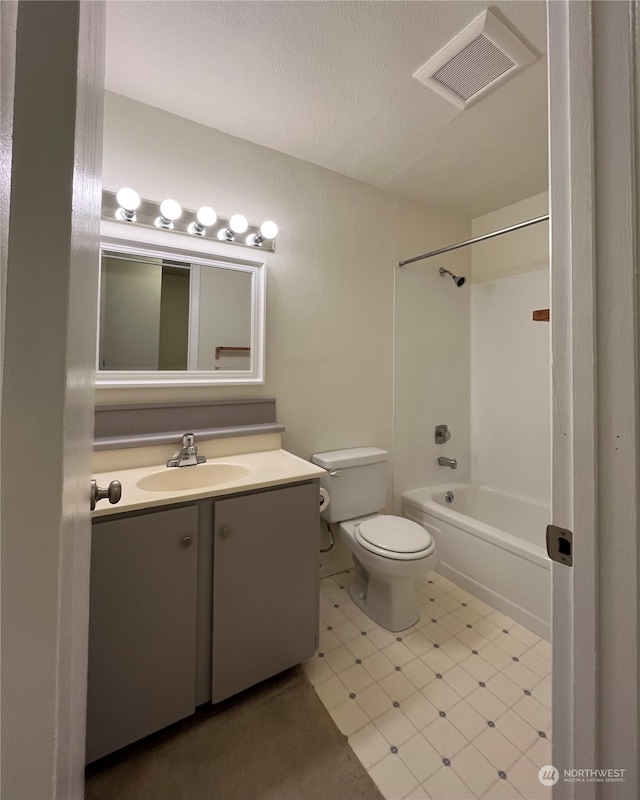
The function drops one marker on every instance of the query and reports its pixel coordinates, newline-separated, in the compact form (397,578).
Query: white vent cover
(476,61)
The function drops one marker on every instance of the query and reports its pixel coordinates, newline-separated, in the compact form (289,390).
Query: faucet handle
(188,439)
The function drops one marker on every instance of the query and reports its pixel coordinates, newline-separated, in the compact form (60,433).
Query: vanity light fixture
(268,230)
(237,224)
(126,206)
(170,211)
(205,218)
(128,201)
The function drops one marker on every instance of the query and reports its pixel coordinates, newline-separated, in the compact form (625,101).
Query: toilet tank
(359,485)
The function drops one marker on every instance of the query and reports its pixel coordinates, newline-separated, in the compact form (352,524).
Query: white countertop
(265,468)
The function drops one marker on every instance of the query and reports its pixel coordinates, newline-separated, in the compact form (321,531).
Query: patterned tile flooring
(455,708)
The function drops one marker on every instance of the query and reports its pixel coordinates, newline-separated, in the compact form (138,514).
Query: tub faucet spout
(448,462)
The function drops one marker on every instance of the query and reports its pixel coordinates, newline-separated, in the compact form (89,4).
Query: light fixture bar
(190,223)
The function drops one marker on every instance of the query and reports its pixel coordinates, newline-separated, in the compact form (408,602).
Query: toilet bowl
(389,552)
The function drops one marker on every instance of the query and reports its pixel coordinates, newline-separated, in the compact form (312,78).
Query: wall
(329,355)
(510,354)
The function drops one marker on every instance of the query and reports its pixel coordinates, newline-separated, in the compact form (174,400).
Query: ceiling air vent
(475,62)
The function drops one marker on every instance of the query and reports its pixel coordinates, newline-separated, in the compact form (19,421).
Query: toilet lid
(394,534)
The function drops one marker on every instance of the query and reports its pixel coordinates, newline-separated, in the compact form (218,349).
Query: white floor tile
(540,753)
(480,607)
(356,678)
(417,642)
(452,623)
(446,785)
(378,665)
(393,778)
(487,629)
(374,701)
(317,670)
(517,730)
(473,638)
(444,737)
(420,757)
(467,720)
(524,776)
(525,635)
(455,649)
(339,659)
(502,790)
(510,645)
(369,745)
(346,631)
(467,615)
(542,693)
(474,769)
(438,660)
(435,633)
(361,647)
(504,688)
(397,686)
(462,594)
(332,616)
(328,641)
(418,673)
(542,648)
(348,716)
(441,695)
(447,602)
(533,712)
(460,680)
(419,710)
(363,622)
(399,654)
(498,751)
(395,726)
(486,704)
(496,656)
(478,668)
(418,794)
(536,663)
(520,675)
(381,637)
(501,620)
(332,692)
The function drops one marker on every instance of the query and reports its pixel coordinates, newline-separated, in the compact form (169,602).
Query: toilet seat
(394,537)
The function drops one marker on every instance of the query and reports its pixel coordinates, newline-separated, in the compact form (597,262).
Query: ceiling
(331,83)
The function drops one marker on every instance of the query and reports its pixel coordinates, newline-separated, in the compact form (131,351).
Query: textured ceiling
(330,83)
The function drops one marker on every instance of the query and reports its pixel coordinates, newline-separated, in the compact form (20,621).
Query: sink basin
(195,477)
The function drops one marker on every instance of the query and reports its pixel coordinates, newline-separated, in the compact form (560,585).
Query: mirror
(174,317)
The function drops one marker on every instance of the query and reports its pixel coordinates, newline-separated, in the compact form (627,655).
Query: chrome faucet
(448,462)
(187,456)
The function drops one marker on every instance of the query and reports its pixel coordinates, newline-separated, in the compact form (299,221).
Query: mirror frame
(204,253)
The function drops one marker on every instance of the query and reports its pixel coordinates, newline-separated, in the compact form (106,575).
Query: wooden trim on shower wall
(541,315)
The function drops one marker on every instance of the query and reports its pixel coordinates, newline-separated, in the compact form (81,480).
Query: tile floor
(455,708)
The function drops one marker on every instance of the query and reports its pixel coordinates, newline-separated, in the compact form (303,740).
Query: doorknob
(113,493)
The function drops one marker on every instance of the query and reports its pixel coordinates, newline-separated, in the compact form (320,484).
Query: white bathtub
(492,544)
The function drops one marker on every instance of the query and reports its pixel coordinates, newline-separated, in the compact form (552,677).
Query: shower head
(457,279)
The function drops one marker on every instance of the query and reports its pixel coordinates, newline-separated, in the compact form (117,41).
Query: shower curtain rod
(473,241)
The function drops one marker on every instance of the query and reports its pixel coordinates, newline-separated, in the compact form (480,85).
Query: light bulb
(128,199)
(171,210)
(206,216)
(269,230)
(238,223)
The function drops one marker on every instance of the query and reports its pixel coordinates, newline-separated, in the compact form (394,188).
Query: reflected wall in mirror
(170,318)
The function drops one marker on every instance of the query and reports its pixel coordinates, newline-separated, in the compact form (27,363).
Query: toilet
(389,552)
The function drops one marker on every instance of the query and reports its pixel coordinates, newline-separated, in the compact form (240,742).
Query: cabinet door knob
(187,541)
(226,532)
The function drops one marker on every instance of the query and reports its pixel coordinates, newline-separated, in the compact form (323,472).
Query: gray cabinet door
(265,585)
(142,622)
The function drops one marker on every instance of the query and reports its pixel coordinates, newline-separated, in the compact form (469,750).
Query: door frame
(593,104)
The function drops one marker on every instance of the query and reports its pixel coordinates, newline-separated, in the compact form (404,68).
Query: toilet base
(393,604)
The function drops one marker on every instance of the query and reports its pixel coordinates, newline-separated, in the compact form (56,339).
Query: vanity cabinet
(194,603)
(265,585)
(142,632)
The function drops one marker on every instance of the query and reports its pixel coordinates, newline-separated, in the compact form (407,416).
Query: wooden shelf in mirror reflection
(234,350)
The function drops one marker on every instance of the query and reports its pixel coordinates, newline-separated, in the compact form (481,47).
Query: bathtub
(492,544)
